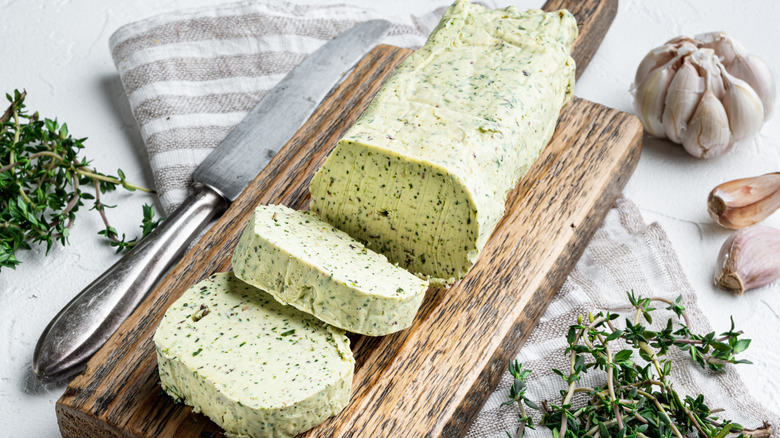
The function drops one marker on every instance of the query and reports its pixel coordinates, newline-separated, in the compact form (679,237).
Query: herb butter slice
(306,263)
(423,175)
(257,368)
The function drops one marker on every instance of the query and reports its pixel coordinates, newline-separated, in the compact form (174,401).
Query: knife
(86,323)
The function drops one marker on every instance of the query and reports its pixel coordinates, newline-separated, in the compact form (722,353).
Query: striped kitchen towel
(191,76)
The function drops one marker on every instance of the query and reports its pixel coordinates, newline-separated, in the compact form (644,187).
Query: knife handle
(86,323)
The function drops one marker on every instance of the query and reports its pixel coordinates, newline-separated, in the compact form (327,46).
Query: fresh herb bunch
(637,399)
(41,179)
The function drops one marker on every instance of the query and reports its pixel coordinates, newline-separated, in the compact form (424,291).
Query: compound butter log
(431,379)
(422,177)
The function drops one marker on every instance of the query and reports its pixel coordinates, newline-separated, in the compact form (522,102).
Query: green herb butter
(255,367)
(423,175)
(305,262)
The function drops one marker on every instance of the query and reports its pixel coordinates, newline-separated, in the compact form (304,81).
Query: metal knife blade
(234,163)
(86,323)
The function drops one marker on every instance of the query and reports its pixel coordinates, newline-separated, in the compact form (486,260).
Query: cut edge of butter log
(305,262)
(257,368)
(422,177)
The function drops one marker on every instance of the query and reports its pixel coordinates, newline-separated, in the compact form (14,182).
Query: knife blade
(282,111)
(86,323)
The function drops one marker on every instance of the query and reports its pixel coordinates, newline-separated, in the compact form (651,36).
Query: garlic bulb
(704,92)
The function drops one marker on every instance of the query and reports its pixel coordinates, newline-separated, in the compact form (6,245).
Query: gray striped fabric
(191,76)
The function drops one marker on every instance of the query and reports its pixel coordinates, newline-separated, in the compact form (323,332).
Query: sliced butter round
(257,368)
(305,262)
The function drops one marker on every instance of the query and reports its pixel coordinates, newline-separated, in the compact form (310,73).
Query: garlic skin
(750,258)
(704,92)
(744,202)
(726,47)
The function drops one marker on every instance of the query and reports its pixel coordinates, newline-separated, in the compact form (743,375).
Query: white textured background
(58,51)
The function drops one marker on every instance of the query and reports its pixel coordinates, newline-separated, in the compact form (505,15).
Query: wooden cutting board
(431,379)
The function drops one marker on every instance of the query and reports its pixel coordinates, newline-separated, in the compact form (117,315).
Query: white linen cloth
(623,255)
(192,75)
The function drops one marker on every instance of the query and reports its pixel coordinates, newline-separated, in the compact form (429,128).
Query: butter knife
(86,323)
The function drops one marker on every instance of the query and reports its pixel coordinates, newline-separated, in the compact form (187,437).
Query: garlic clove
(708,66)
(650,96)
(725,47)
(685,48)
(750,258)
(718,85)
(707,134)
(756,73)
(743,107)
(654,59)
(684,93)
(746,201)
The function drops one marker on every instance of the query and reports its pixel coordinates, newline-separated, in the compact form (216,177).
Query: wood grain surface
(431,379)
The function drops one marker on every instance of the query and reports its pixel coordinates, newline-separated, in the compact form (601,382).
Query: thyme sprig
(517,395)
(637,398)
(42,174)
